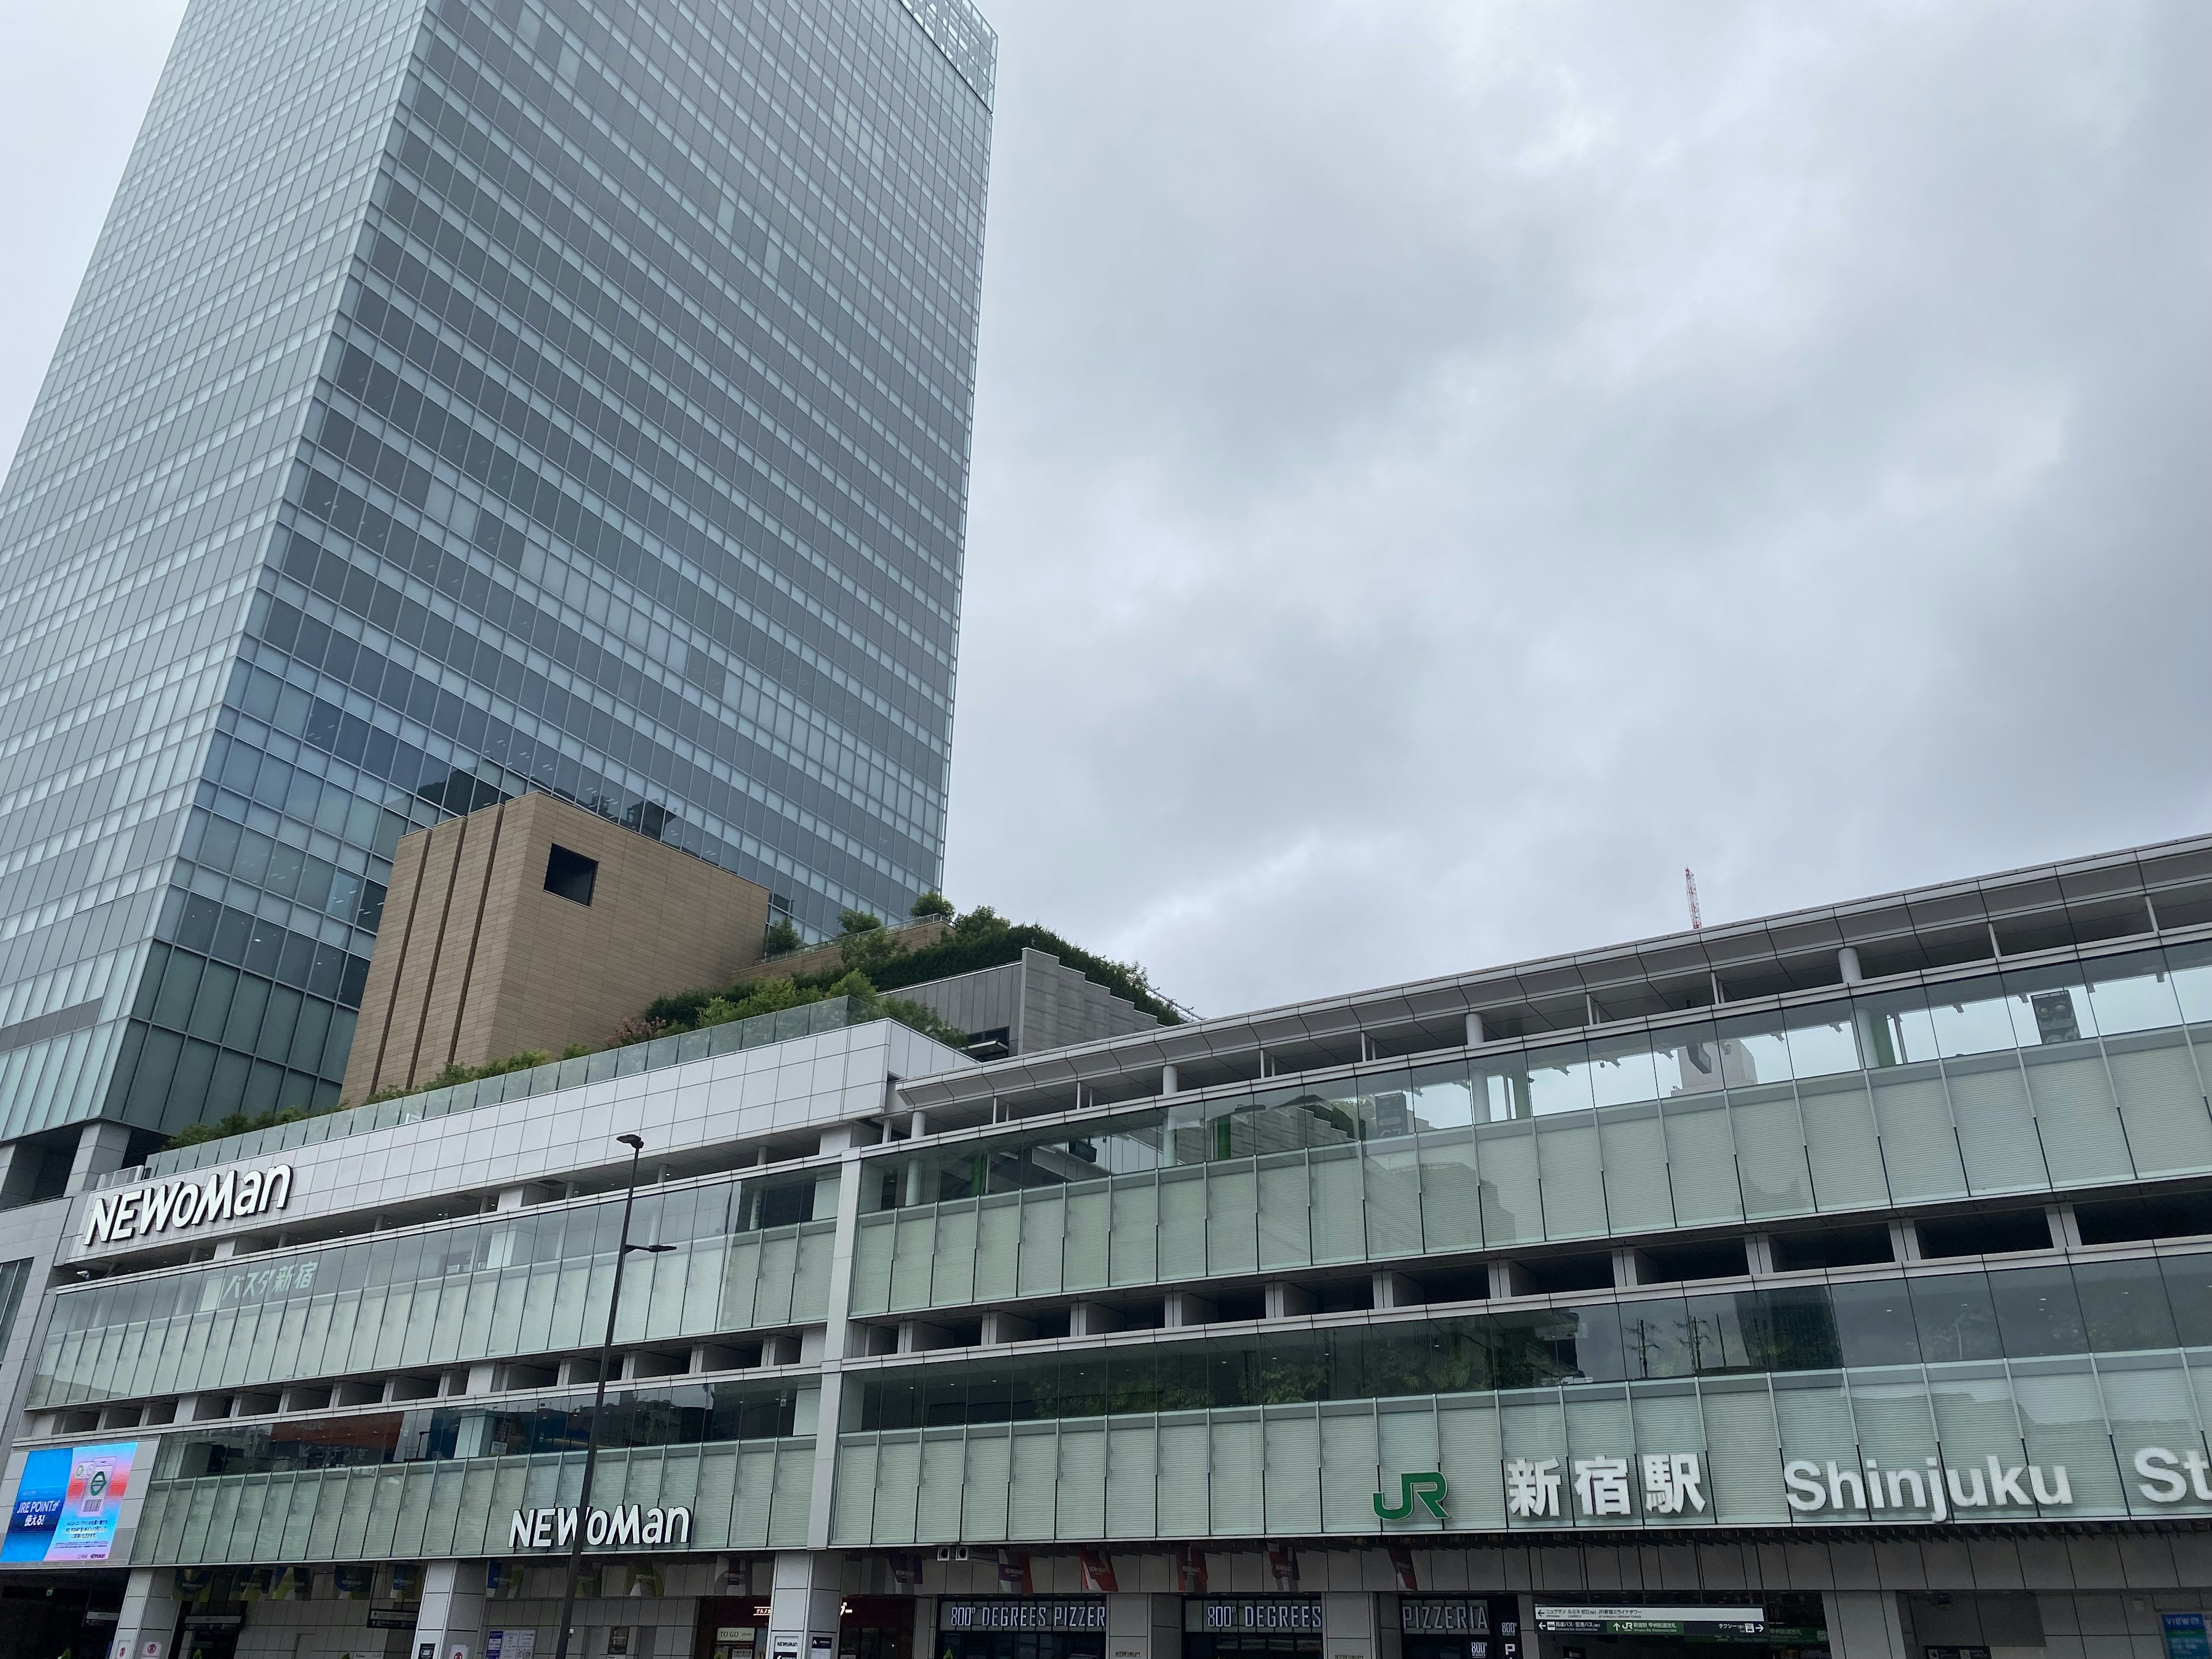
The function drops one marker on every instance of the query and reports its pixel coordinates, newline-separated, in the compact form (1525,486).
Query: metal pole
(598,1398)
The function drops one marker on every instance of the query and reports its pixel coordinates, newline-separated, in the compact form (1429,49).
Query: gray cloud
(1440,469)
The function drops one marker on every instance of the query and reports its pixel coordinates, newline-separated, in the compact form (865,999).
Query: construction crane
(1690,885)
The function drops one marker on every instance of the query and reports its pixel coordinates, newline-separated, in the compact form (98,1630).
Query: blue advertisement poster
(68,1503)
(2184,1636)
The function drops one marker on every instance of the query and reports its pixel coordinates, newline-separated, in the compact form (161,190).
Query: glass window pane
(1955,1318)
(2125,1305)
(2050,1006)
(2038,1312)
(1874,1324)
(1970,1018)
(2133,994)
(1621,1071)
(1559,1079)
(2188,1293)
(1895,1028)
(2191,968)
(1821,1042)
(1441,1097)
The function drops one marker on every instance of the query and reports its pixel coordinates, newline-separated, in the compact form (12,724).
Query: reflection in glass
(1558,1079)
(1875,1323)
(1970,1018)
(2038,1311)
(1955,1318)
(2132,994)
(2189,1294)
(2123,1306)
(1894,1028)
(1441,1097)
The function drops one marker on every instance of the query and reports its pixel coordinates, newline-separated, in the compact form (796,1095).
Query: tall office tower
(467,397)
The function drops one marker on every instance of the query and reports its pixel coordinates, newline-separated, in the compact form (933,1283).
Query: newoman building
(1839,1283)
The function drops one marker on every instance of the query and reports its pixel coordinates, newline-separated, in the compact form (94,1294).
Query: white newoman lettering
(630,1525)
(229,1194)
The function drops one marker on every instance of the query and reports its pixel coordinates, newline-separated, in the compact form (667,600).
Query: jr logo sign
(1428,1489)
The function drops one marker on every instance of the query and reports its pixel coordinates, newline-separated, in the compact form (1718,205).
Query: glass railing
(2051,1009)
(2148,1303)
(831,1014)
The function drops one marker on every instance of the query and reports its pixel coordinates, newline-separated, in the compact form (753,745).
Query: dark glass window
(1955,1318)
(1875,1323)
(571,875)
(2124,1305)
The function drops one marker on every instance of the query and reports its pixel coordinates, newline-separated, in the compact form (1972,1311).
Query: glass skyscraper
(467,397)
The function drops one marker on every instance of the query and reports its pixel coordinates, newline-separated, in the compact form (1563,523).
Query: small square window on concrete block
(570,874)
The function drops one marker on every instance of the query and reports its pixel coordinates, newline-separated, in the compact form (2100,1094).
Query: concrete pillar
(1002,1328)
(1139,1626)
(1184,1309)
(1288,1301)
(830,1343)
(803,1606)
(450,1624)
(1863,1625)
(1847,963)
(1630,1269)
(1474,1036)
(1904,1241)
(1394,1290)
(149,1621)
(1508,1279)
(1347,1624)
(100,1147)
(1092,1319)
(1169,1083)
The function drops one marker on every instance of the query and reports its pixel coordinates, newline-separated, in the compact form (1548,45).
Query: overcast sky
(1442,468)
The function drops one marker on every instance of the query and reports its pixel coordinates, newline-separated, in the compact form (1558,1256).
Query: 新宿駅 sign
(226,1196)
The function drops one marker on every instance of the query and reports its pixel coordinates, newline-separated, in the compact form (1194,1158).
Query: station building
(1837,1283)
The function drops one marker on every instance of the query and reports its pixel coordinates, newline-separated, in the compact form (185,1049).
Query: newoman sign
(153,1207)
(556,1528)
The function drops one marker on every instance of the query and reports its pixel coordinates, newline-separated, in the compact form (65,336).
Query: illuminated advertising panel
(68,1503)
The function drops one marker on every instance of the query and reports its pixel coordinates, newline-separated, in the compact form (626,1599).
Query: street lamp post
(636,1145)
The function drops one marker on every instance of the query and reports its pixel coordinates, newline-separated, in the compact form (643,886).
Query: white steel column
(802,1607)
(835,1337)
(450,1624)
(1864,1623)
(148,1620)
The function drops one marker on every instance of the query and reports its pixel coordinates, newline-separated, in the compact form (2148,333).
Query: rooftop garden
(873,962)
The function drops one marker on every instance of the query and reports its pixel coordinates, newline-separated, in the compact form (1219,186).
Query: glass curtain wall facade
(467,398)
(1894,1285)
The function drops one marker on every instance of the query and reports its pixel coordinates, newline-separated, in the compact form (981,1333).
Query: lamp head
(636,1143)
